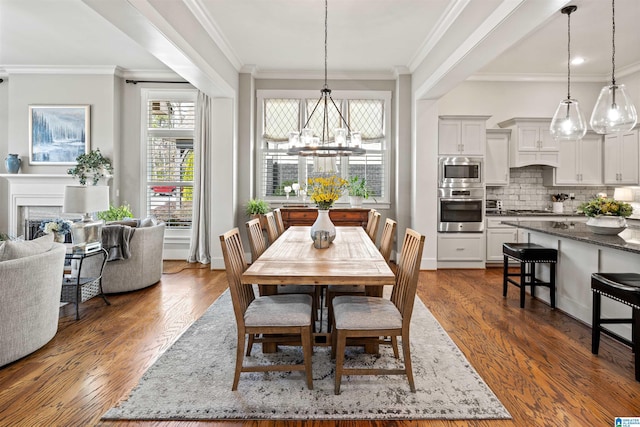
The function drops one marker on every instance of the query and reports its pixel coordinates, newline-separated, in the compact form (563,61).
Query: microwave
(460,172)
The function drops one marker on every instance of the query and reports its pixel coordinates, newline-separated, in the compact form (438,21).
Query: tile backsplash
(526,191)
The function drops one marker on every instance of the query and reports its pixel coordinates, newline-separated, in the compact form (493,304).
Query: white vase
(558,207)
(323,231)
(59,237)
(355,201)
(606,224)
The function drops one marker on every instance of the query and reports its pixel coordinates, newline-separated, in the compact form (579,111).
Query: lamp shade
(623,194)
(614,111)
(85,199)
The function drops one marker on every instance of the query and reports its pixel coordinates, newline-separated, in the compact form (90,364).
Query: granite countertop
(628,240)
(526,212)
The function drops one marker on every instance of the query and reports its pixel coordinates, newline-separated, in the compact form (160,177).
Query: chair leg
(523,278)
(341,338)
(307,350)
(552,284)
(505,271)
(239,359)
(595,323)
(250,344)
(394,345)
(533,279)
(406,352)
(329,310)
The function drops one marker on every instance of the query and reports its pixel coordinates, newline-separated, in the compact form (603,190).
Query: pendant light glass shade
(614,111)
(568,122)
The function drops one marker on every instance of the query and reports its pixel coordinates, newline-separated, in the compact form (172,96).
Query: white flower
(50,227)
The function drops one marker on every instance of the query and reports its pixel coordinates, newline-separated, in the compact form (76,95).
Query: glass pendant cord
(324,148)
(568,122)
(614,111)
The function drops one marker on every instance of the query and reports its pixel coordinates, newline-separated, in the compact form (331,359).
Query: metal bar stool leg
(505,271)
(523,279)
(595,323)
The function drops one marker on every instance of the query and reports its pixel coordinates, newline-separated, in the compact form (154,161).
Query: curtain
(199,248)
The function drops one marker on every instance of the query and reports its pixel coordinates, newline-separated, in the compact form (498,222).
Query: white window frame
(181,235)
(262,94)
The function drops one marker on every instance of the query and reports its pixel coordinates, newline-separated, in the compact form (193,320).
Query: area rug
(192,380)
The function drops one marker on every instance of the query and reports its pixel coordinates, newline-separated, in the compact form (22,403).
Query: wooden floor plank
(537,361)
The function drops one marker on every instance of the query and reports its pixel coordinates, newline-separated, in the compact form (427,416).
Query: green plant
(4,237)
(116,213)
(358,187)
(604,206)
(91,165)
(257,207)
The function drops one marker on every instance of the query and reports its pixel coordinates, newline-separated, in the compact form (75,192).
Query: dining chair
(372,226)
(386,245)
(272,227)
(370,318)
(279,222)
(288,315)
(258,245)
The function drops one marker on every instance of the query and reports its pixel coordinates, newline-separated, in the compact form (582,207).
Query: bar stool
(528,255)
(624,288)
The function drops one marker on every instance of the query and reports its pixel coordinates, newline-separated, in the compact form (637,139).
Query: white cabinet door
(621,158)
(531,142)
(461,247)
(496,165)
(495,239)
(590,160)
(547,142)
(461,135)
(528,138)
(567,171)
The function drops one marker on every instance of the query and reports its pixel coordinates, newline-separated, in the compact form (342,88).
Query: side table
(79,289)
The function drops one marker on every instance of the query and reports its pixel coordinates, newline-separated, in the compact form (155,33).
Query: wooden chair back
(257,241)
(272,227)
(372,226)
(404,291)
(279,222)
(386,241)
(235,264)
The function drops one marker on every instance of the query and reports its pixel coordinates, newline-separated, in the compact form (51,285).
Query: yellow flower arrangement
(603,206)
(325,190)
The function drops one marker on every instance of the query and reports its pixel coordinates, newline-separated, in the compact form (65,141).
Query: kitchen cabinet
(461,250)
(621,158)
(496,163)
(580,162)
(531,142)
(462,135)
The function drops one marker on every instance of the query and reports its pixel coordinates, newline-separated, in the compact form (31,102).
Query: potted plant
(606,216)
(92,165)
(256,208)
(116,213)
(358,191)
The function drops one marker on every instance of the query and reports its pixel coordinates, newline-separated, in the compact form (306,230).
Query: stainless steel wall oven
(461,210)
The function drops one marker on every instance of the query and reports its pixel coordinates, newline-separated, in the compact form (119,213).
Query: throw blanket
(116,239)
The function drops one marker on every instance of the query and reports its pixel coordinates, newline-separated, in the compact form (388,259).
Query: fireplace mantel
(28,189)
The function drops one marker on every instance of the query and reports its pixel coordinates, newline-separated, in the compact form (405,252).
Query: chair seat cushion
(279,310)
(530,252)
(626,282)
(360,312)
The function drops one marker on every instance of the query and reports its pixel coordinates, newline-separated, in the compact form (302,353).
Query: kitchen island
(581,253)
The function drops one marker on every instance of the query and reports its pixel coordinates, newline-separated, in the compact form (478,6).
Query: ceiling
(285,37)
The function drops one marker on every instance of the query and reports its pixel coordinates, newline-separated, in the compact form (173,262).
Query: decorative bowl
(609,225)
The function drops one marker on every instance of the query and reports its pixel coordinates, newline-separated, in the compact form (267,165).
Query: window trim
(147,94)
(301,94)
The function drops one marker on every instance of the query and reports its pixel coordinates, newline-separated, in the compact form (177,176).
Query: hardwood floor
(536,360)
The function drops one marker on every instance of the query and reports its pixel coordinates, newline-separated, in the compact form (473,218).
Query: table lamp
(86,235)
(623,195)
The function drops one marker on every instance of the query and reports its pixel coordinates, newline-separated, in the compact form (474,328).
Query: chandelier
(614,111)
(568,121)
(345,141)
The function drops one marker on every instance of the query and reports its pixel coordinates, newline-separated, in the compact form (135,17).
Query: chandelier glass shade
(307,142)
(568,122)
(614,111)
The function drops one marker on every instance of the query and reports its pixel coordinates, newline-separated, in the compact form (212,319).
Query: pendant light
(568,122)
(614,111)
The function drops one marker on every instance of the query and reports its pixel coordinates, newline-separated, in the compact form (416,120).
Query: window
(169,130)
(281,112)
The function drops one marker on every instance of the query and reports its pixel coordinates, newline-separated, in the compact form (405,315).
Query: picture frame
(58,133)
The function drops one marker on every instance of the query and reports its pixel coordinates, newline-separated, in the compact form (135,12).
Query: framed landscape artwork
(58,133)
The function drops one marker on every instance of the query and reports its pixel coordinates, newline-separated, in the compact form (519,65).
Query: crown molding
(151,74)
(319,75)
(200,12)
(249,69)
(65,69)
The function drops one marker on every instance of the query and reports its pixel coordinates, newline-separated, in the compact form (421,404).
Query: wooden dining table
(351,259)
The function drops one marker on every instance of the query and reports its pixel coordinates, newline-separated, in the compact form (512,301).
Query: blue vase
(12,163)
